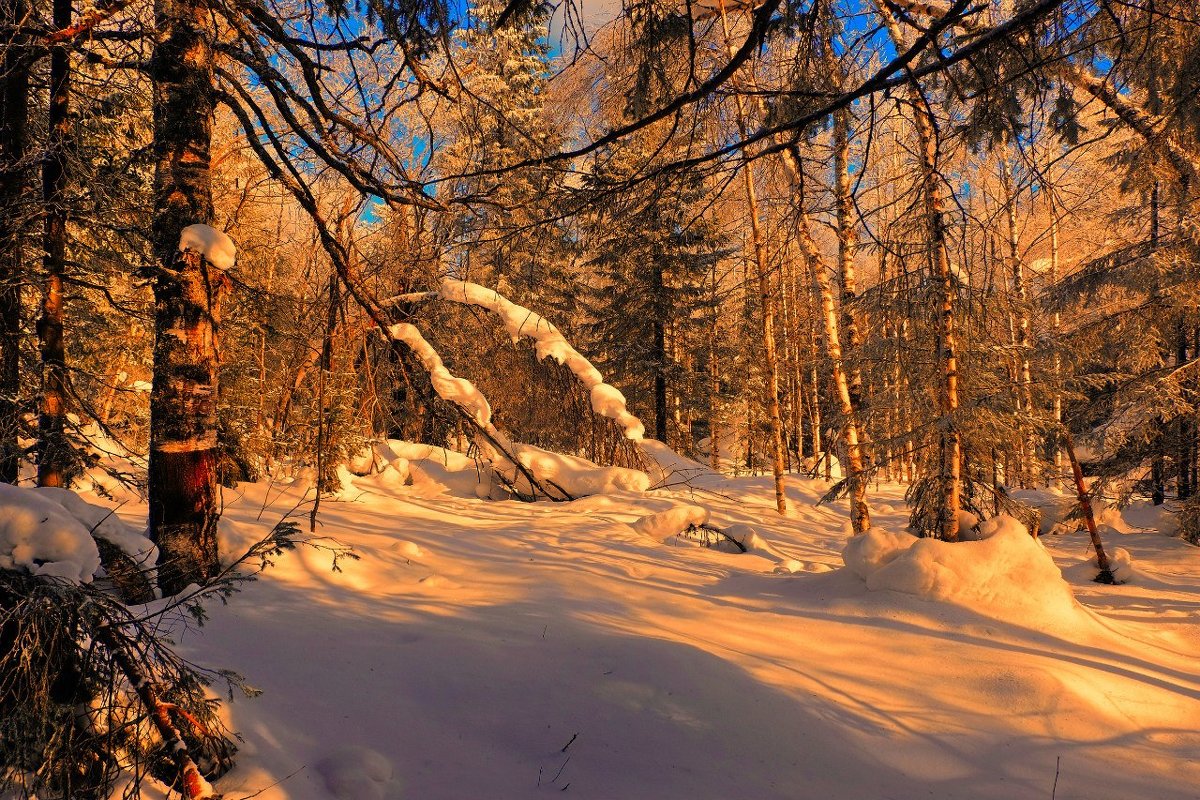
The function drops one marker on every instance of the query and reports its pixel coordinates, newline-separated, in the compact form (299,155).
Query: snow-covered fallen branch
(607,400)
(473,407)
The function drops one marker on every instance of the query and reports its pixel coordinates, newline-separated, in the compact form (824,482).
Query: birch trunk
(859,514)
(766,296)
(1055,327)
(950,470)
(187,294)
(847,380)
(1025,382)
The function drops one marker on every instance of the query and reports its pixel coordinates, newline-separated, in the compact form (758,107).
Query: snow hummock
(578,476)
(672,522)
(359,773)
(1006,572)
(607,400)
(105,524)
(216,247)
(39,535)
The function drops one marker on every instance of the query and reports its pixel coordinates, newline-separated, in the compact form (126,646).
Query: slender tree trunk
(14,190)
(1184,432)
(1024,374)
(950,471)
(1055,328)
(814,402)
(187,291)
(1158,468)
(847,379)
(326,470)
(859,514)
(765,294)
(659,357)
(54,454)
(714,378)
(1089,519)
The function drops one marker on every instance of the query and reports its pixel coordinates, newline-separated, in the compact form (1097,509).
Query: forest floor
(490,650)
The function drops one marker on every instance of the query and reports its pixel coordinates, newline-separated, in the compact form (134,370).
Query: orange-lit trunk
(1085,504)
(950,444)
(54,452)
(187,292)
(766,299)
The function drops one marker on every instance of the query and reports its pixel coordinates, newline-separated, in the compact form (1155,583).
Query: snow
(474,639)
(1006,573)
(672,522)
(104,523)
(40,536)
(209,242)
(359,773)
(518,321)
(450,388)
(578,476)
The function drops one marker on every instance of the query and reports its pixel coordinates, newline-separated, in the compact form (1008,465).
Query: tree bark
(54,452)
(1158,466)
(1023,344)
(1055,328)
(1085,505)
(14,178)
(659,354)
(187,293)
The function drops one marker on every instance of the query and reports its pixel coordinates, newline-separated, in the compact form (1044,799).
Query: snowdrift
(1005,574)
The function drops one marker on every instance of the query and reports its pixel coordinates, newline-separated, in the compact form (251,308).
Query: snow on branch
(450,388)
(607,400)
(525,470)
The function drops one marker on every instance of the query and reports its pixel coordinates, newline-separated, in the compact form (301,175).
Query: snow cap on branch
(607,400)
(448,387)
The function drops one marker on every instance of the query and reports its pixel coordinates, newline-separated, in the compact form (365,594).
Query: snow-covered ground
(497,650)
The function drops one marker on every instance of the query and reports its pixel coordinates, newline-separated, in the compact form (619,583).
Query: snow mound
(209,242)
(104,523)
(672,522)
(359,773)
(1120,563)
(518,321)
(578,476)
(40,536)
(749,538)
(437,470)
(1006,573)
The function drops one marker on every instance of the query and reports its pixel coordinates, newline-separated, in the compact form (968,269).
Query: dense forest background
(951,245)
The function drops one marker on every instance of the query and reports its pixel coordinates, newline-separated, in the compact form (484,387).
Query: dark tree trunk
(187,293)
(54,452)
(1183,444)
(14,94)
(659,355)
